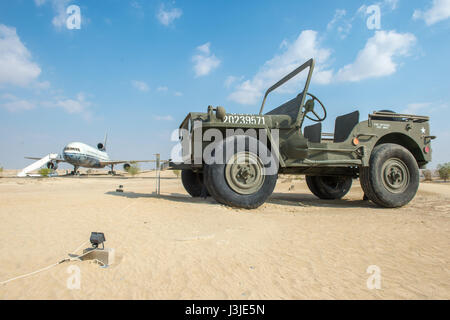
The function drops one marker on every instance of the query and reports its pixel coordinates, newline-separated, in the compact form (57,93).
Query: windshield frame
(310,63)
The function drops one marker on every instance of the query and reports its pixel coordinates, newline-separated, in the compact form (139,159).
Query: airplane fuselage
(82,155)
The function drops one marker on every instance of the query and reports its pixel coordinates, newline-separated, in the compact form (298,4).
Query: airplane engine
(52,165)
(100,146)
(126,167)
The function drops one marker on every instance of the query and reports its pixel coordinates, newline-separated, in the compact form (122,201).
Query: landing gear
(75,171)
(112,172)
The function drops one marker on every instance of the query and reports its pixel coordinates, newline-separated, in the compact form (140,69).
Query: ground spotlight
(97,238)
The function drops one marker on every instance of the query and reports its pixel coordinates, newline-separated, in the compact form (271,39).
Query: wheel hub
(244,173)
(395,175)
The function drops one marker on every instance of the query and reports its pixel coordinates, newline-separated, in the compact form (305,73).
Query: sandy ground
(177,247)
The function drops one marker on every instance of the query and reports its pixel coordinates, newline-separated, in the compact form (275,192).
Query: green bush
(428,175)
(177,173)
(444,171)
(45,172)
(134,169)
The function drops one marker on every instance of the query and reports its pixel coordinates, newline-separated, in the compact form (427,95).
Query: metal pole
(158,165)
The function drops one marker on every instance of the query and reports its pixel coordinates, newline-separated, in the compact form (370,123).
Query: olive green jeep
(236,158)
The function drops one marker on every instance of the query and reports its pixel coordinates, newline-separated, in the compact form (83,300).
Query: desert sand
(176,247)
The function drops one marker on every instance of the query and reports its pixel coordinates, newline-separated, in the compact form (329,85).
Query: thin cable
(29,274)
(43,269)
(61,261)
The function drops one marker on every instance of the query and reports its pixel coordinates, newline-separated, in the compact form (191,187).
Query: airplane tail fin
(102,146)
(106,139)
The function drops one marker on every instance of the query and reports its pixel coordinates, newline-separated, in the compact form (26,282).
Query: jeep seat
(344,126)
(313,133)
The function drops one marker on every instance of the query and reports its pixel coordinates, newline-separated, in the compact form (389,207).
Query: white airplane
(79,155)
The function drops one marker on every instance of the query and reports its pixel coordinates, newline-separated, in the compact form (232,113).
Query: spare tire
(387,118)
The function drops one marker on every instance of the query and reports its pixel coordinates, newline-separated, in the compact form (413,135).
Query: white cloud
(60,7)
(425,108)
(439,11)
(166,17)
(14,104)
(136,5)
(16,67)
(392,4)
(44,85)
(342,25)
(162,89)
(414,108)
(230,80)
(385,5)
(77,105)
(305,47)
(178,94)
(205,48)
(140,85)
(204,61)
(164,118)
(377,57)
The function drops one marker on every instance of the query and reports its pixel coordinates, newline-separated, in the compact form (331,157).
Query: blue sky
(135,68)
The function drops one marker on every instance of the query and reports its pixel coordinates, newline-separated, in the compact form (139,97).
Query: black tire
(208,185)
(192,182)
(387,118)
(223,191)
(329,187)
(392,178)
(365,184)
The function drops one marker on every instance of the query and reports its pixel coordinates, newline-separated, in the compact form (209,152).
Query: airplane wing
(108,163)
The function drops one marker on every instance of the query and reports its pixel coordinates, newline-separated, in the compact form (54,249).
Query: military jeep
(385,152)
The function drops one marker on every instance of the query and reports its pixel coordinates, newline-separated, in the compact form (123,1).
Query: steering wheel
(310,108)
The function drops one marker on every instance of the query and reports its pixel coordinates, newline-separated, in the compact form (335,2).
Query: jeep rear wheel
(392,178)
(193,183)
(329,187)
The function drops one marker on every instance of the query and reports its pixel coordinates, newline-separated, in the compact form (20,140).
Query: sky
(73,70)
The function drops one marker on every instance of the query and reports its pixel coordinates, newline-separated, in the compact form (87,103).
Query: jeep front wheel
(392,178)
(243,181)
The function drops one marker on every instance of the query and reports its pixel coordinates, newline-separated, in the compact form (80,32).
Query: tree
(444,171)
(177,173)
